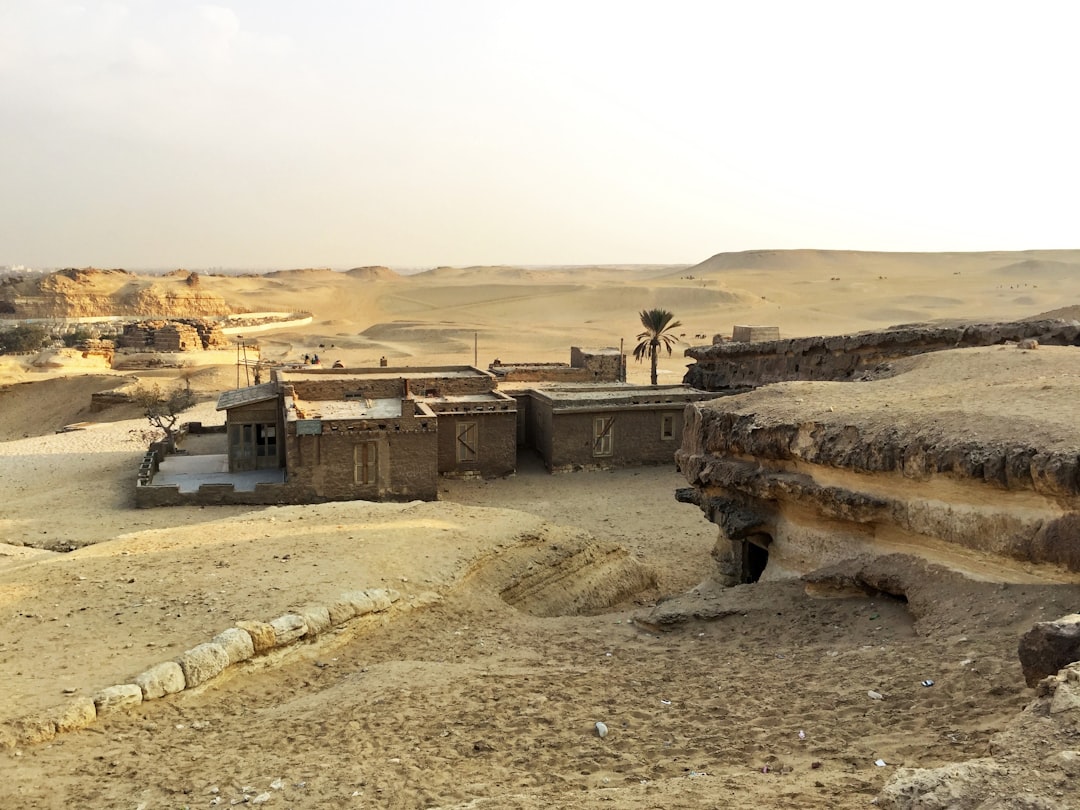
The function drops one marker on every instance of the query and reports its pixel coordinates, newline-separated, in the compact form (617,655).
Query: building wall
(541,428)
(636,437)
(754,334)
(497,443)
(608,366)
(330,384)
(407,459)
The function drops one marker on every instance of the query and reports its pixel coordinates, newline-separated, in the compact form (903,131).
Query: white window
(365,463)
(667,426)
(603,435)
(468,445)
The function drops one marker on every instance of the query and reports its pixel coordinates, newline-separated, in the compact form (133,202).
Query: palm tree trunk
(654,350)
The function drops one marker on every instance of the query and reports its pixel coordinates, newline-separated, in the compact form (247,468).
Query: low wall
(735,366)
(242,642)
(264,322)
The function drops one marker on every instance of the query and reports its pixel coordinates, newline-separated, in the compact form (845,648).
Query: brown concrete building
(609,426)
(315,434)
(477,434)
(361,448)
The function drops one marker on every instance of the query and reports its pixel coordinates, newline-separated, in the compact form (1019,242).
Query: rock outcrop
(733,366)
(87,293)
(1032,765)
(1049,646)
(968,457)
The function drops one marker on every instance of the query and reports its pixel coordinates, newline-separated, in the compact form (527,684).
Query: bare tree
(162,409)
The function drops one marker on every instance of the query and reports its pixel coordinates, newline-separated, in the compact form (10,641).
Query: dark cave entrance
(755,556)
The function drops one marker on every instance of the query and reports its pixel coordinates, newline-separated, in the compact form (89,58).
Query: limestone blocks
(288,628)
(114,698)
(198,665)
(202,663)
(165,678)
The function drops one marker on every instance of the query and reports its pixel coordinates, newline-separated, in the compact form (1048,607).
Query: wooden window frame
(667,427)
(603,444)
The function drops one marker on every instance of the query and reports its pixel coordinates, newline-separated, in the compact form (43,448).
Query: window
(468,445)
(365,463)
(266,440)
(667,426)
(251,440)
(603,428)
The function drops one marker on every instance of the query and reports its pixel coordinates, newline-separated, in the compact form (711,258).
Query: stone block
(202,663)
(34,729)
(288,628)
(1048,647)
(341,612)
(78,713)
(114,698)
(237,644)
(361,602)
(317,619)
(382,597)
(1066,698)
(263,638)
(160,680)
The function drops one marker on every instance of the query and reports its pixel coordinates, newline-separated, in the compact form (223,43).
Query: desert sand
(455,697)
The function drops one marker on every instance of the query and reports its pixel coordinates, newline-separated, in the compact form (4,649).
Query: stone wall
(338,384)
(245,640)
(636,437)
(586,365)
(173,336)
(324,466)
(738,366)
(497,437)
(754,334)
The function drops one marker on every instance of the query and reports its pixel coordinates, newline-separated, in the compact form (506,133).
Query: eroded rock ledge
(738,366)
(967,457)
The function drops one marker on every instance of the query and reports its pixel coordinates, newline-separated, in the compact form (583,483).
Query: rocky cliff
(733,366)
(966,457)
(90,293)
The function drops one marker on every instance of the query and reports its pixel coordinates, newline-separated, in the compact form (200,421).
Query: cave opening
(755,556)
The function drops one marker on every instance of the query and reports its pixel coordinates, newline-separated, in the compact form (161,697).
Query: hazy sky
(283,134)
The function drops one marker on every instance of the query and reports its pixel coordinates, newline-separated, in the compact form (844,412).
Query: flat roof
(487,396)
(622,395)
(333,409)
(247,396)
(382,373)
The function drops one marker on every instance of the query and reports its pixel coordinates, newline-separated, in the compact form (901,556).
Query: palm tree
(657,323)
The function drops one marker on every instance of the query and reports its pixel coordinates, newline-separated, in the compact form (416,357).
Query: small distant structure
(181,335)
(606,364)
(754,334)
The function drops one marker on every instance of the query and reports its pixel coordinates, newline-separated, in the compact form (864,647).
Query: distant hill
(837,262)
(90,292)
(376,273)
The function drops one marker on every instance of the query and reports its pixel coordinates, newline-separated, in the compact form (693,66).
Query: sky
(272,134)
